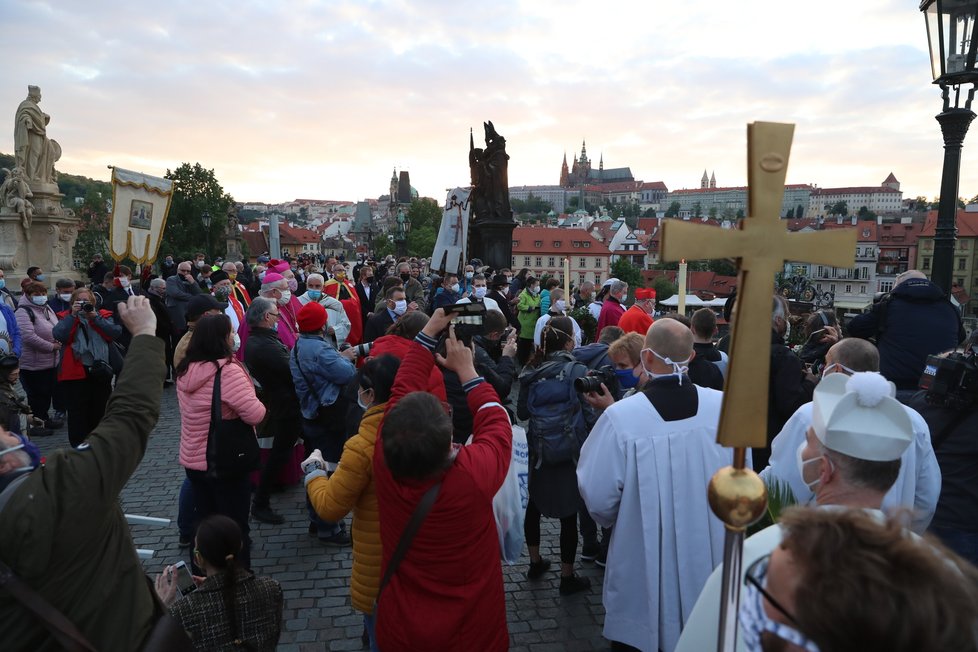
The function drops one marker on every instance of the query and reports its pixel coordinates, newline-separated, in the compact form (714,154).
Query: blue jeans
(962,542)
(370,622)
(186,513)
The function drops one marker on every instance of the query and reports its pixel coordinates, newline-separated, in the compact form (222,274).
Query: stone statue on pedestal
(490,235)
(233,236)
(34,228)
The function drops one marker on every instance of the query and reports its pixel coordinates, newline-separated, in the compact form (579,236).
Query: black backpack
(556,428)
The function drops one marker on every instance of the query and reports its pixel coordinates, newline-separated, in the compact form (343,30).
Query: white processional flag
(449,254)
(140,204)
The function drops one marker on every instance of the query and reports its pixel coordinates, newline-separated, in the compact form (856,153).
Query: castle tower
(564,173)
(601,162)
(891,182)
(705,181)
(713,180)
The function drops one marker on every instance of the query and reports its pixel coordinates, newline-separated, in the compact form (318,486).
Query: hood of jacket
(918,289)
(197,375)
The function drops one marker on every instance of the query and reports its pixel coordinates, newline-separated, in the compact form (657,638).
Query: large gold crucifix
(761,245)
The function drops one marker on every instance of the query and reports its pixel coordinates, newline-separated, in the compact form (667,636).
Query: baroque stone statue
(490,178)
(15,194)
(34,152)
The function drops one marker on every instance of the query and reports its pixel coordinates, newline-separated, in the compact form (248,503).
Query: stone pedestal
(49,242)
(492,243)
(234,250)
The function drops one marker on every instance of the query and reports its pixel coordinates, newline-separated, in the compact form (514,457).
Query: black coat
(914,321)
(702,371)
(500,374)
(377,325)
(111,301)
(366,303)
(97,272)
(267,360)
(788,390)
(504,308)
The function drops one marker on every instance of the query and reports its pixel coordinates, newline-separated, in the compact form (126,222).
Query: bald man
(643,470)
(918,486)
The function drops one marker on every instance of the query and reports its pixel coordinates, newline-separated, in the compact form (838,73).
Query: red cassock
(344,292)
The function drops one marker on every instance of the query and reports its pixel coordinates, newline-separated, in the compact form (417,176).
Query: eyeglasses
(275,314)
(756,576)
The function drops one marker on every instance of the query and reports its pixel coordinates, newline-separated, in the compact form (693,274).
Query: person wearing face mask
(340,288)
(366,292)
(527,312)
(35,273)
(918,485)
(653,449)
(558,308)
(180,289)
(81,558)
(223,291)
(319,373)
(6,298)
(120,292)
(498,293)
(396,306)
(156,293)
(9,331)
(638,317)
(468,274)
(85,375)
(337,323)
(850,458)
(40,351)
(450,291)
(612,308)
(61,301)
(275,288)
(351,486)
(238,288)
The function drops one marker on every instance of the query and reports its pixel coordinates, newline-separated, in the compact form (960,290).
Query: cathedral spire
(601,162)
(705,181)
(713,180)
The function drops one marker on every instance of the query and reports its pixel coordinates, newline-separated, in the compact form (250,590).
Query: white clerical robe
(917,487)
(648,478)
(335,316)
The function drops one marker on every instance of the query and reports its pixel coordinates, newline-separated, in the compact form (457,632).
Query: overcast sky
(322,100)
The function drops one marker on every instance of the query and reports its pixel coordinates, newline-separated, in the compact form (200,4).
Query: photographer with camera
(85,374)
(549,401)
(948,402)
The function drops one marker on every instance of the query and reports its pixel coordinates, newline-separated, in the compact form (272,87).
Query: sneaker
(573,584)
(59,415)
(265,514)
(339,540)
(590,552)
(537,569)
(185,541)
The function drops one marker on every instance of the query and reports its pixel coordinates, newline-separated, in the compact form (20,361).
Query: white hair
(315,277)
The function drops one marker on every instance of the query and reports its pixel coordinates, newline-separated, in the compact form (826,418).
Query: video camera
(951,381)
(591,382)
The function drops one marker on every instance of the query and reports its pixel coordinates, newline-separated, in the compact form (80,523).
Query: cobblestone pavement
(315,579)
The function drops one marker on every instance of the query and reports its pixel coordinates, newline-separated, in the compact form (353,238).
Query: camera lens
(586,384)
(87,307)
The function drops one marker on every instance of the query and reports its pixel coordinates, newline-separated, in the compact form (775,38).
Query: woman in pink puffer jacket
(212,348)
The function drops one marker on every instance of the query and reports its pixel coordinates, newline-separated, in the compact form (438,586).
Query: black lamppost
(206,219)
(951,37)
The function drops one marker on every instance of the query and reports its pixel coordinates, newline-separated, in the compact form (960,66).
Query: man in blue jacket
(913,321)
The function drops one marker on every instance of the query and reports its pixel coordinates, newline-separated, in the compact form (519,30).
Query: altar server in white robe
(919,484)
(644,470)
(849,457)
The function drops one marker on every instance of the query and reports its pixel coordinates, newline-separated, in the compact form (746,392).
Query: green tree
(195,190)
(649,212)
(664,288)
(697,210)
(673,210)
(790,214)
(866,214)
(713,212)
(93,227)
(728,213)
(623,270)
(722,266)
(425,216)
(838,208)
(740,213)
(799,211)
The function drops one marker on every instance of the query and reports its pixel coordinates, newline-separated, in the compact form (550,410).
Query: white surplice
(917,487)
(648,478)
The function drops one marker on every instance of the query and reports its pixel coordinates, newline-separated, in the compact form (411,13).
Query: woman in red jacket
(211,351)
(447,591)
(397,342)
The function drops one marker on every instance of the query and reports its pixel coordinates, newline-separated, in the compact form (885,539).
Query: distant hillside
(71,185)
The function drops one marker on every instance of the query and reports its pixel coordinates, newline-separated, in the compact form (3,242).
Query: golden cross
(761,245)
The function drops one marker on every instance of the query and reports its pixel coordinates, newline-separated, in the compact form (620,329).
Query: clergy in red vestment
(339,287)
(638,318)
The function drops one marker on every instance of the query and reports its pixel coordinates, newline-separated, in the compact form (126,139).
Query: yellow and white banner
(140,204)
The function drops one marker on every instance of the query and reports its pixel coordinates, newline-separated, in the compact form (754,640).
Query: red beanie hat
(312,317)
(644,293)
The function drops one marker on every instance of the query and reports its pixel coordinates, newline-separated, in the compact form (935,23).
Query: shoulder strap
(30,313)
(62,629)
(216,399)
(424,506)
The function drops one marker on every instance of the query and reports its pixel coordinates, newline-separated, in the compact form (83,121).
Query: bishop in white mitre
(642,471)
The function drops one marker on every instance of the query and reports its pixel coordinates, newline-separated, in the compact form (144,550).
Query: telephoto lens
(363,350)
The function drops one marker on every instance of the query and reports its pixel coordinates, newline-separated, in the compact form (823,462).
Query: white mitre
(858,416)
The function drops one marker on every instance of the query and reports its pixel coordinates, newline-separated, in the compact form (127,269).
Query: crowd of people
(362,381)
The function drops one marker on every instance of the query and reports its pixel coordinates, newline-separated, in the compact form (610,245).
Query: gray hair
(779,309)
(617,287)
(65,283)
(157,283)
(229,267)
(405,265)
(274,285)
(316,277)
(260,306)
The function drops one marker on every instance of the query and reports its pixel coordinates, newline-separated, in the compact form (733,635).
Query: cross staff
(761,245)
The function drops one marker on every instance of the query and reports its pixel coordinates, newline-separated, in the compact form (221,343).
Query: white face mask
(235,342)
(678,368)
(802,462)
(65,297)
(124,282)
(39,301)
(469,275)
(360,401)
(285,298)
(454,288)
(560,305)
(480,293)
(400,307)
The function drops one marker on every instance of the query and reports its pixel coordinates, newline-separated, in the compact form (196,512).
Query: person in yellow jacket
(351,487)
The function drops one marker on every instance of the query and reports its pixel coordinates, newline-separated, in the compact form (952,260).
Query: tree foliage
(93,225)
(425,215)
(532,205)
(623,270)
(664,288)
(195,190)
(673,210)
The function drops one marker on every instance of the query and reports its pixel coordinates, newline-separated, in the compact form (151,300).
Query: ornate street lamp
(952,39)
(206,219)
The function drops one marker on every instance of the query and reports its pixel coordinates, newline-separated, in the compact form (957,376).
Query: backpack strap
(30,313)
(420,512)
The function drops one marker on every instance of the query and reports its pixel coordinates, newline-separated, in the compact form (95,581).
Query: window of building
(862,289)
(582,262)
(848,289)
(962,263)
(597,263)
(516,243)
(513,264)
(538,243)
(959,282)
(577,244)
(539,261)
(556,244)
(832,287)
(526,261)
(886,286)
(926,264)
(550,262)
(586,244)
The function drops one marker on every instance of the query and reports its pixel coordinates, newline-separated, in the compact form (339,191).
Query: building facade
(885,198)
(543,250)
(581,173)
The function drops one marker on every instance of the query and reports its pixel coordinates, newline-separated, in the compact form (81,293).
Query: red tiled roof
(648,224)
(654,185)
(290,235)
(256,242)
(696,191)
(902,235)
(960,294)
(967,224)
(525,237)
(622,186)
(853,190)
(890,179)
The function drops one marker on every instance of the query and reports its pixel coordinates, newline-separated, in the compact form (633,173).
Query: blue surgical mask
(3,283)
(315,295)
(626,378)
(29,447)
(40,277)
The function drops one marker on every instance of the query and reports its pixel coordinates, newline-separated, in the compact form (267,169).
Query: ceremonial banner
(140,204)
(449,254)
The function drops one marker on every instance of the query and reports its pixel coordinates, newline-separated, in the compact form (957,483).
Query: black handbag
(232,445)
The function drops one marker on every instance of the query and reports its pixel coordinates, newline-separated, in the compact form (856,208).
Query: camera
(951,381)
(87,306)
(595,377)
(363,350)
